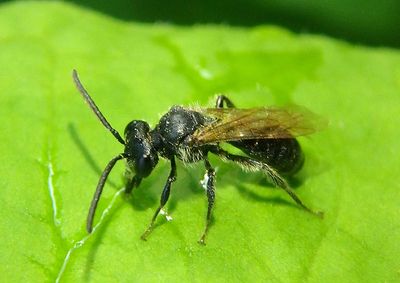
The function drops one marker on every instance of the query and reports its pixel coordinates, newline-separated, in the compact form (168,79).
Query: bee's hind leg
(248,163)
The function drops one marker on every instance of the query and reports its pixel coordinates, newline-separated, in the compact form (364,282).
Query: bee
(266,136)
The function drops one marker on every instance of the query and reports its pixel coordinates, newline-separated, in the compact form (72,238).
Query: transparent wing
(233,124)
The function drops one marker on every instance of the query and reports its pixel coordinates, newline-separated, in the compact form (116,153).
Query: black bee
(265,135)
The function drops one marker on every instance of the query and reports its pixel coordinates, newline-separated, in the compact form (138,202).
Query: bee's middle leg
(221,99)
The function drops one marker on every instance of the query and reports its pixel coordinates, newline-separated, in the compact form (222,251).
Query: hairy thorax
(172,134)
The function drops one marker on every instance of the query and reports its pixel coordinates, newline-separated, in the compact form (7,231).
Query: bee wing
(232,124)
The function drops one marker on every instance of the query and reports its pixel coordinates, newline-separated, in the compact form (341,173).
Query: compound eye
(145,164)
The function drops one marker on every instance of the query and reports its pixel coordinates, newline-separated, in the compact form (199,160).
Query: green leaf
(53,150)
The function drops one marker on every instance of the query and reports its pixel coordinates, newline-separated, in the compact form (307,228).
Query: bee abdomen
(284,155)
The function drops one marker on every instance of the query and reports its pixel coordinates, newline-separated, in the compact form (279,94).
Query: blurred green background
(369,22)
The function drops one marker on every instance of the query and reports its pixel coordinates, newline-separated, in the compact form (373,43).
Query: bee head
(142,156)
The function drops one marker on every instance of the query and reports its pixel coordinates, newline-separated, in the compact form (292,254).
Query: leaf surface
(53,150)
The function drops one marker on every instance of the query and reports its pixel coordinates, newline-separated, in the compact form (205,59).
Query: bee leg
(164,198)
(252,165)
(220,102)
(134,182)
(210,190)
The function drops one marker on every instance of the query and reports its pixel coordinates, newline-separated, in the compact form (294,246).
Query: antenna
(94,107)
(99,190)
